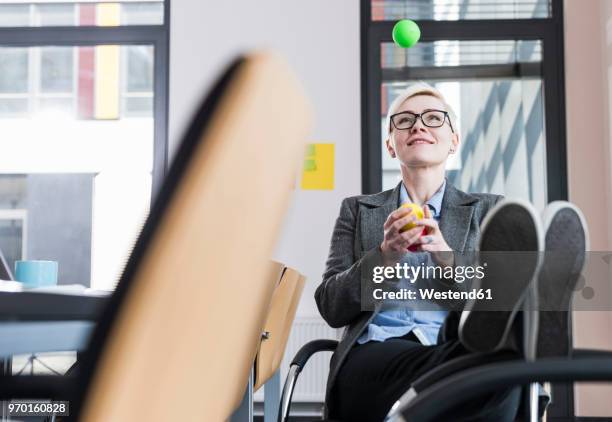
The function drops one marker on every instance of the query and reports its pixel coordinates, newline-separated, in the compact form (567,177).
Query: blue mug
(36,273)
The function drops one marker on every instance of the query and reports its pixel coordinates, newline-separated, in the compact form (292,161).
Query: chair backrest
(278,269)
(278,325)
(180,334)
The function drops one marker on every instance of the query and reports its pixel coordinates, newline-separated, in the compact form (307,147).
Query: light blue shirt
(397,321)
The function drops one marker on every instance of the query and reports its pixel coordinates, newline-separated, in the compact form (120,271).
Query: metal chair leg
(287,394)
(531,318)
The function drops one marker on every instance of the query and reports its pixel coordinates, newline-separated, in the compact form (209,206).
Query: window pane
(14,15)
(85,165)
(385,10)
(59,106)
(13,69)
(54,14)
(89,82)
(500,119)
(11,239)
(142,14)
(12,217)
(13,107)
(140,68)
(70,13)
(56,69)
(501,128)
(138,106)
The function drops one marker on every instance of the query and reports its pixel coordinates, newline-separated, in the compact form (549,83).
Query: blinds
(461,53)
(385,10)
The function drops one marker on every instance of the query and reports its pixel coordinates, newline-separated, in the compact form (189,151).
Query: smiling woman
(421,134)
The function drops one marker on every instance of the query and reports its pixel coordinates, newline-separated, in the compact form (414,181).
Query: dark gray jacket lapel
(456,215)
(374,213)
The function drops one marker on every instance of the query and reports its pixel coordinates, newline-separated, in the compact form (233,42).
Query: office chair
(469,376)
(278,325)
(178,338)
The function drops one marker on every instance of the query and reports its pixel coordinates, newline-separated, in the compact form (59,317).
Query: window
(83,92)
(137,95)
(500,65)
(501,68)
(495,87)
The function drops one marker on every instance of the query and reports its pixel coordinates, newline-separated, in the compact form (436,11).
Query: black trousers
(376,374)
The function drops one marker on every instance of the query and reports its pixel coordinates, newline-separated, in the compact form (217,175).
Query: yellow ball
(417,211)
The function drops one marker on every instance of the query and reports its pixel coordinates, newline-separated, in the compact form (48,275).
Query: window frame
(548,30)
(79,36)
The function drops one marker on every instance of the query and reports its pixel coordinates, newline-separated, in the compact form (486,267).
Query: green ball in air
(406,33)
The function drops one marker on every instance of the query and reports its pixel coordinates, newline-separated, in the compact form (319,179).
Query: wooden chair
(278,325)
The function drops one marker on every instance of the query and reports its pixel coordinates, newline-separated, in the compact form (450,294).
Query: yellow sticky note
(318,172)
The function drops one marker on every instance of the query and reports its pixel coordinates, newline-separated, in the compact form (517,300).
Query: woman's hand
(396,241)
(433,241)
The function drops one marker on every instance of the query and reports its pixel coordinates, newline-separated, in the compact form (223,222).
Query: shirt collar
(434,203)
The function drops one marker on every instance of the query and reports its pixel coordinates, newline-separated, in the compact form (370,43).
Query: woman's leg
(376,374)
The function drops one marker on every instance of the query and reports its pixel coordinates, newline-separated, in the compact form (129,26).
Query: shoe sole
(567,235)
(512,225)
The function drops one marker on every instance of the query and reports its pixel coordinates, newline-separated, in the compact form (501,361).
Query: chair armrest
(297,364)
(466,385)
(312,347)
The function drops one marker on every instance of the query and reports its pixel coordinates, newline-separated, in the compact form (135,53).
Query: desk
(46,322)
(36,322)
(51,322)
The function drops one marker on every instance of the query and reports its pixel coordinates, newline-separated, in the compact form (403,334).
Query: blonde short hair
(419,88)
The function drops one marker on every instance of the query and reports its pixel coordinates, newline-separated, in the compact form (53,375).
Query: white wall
(320,39)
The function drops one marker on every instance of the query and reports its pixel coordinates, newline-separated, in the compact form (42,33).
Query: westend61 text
(429,294)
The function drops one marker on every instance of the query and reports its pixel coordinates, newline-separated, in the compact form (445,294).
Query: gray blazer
(358,234)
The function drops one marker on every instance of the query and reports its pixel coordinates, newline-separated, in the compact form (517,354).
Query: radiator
(311,383)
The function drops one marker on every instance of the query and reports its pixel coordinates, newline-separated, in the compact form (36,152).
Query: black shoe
(511,226)
(566,242)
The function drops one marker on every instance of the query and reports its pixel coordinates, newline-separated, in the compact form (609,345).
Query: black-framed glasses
(430,118)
